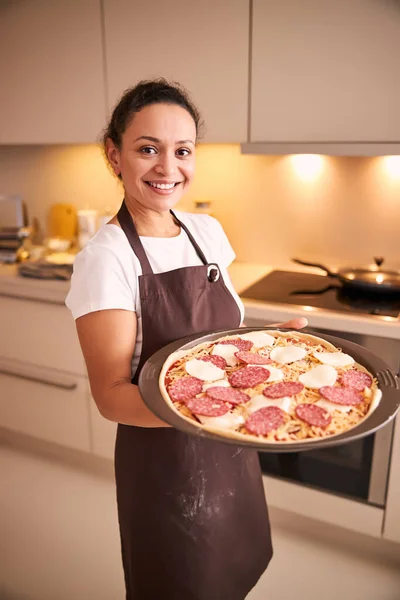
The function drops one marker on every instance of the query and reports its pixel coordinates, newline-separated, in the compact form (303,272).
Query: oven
(358,470)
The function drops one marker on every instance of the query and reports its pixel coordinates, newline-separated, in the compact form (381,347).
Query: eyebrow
(157,141)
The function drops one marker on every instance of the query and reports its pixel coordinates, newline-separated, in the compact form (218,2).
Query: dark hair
(156,91)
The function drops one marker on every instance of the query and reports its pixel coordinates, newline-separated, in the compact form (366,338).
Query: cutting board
(62,221)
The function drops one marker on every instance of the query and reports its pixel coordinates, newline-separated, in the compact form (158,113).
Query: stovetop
(319,291)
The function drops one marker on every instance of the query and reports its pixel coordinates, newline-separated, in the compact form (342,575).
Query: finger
(297,323)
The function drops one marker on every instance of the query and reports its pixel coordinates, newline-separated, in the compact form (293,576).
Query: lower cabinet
(45,403)
(391,529)
(103,433)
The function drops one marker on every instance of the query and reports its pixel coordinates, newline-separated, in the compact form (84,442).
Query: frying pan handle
(317,265)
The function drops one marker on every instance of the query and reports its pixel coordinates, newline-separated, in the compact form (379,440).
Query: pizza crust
(239,436)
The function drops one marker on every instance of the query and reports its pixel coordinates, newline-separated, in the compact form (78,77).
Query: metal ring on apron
(213,273)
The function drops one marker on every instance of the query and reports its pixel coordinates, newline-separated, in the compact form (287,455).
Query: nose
(167,164)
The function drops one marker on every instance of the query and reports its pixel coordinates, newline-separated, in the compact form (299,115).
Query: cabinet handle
(56,384)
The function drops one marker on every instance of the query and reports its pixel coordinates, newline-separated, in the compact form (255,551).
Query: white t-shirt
(106,270)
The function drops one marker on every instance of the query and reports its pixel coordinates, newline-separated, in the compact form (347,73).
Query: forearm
(124,404)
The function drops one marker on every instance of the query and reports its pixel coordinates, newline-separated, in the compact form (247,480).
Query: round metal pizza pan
(381,416)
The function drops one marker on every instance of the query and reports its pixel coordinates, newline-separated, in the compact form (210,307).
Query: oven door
(359,469)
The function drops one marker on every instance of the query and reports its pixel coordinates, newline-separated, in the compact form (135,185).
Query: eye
(148,150)
(183,152)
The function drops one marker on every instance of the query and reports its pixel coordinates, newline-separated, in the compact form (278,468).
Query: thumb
(297,323)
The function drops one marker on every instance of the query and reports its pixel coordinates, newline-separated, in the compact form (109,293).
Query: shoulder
(202,223)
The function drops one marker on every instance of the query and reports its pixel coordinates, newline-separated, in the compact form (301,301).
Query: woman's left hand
(298,323)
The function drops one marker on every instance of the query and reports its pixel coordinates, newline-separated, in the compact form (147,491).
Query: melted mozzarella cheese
(261,401)
(319,376)
(336,359)
(287,354)
(259,338)
(219,383)
(227,351)
(331,406)
(204,370)
(274,374)
(228,421)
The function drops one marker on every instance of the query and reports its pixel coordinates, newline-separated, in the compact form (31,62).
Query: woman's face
(157,156)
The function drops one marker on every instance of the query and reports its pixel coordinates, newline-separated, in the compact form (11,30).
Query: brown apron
(192,513)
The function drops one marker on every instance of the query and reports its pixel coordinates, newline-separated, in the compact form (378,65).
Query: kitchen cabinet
(204,45)
(391,529)
(39,333)
(45,403)
(51,61)
(325,71)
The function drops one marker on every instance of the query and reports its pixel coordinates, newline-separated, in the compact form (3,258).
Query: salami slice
(231,395)
(216,360)
(313,415)
(208,407)
(341,395)
(282,389)
(251,358)
(265,420)
(240,344)
(185,388)
(248,377)
(357,380)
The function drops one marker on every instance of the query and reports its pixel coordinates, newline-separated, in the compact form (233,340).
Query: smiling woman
(192,513)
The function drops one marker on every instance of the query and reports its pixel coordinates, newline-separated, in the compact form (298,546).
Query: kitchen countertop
(243,275)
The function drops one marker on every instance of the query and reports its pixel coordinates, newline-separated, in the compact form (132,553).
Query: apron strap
(128,227)
(199,251)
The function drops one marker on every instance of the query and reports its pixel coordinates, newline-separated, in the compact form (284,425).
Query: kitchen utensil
(372,278)
(382,415)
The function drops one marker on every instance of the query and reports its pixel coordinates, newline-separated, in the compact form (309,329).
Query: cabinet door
(103,433)
(45,404)
(51,64)
(39,333)
(325,71)
(392,515)
(202,44)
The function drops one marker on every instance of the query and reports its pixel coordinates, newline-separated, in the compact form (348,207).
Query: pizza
(269,386)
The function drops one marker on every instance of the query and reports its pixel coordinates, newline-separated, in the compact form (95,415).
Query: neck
(152,223)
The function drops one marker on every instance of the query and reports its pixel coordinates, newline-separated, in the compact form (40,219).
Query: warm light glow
(309,308)
(307,166)
(391,166)
(380,278)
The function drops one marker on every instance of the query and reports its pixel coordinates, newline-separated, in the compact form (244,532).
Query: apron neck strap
(128,227)
(195,245)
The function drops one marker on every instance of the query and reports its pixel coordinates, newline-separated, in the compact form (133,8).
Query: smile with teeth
(162,186)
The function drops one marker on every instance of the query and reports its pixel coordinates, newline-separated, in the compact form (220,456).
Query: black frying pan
(372,279)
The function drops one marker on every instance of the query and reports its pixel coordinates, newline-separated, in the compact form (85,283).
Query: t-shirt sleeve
(100,282)
(226,254)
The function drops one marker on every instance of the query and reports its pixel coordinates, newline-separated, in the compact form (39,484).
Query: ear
(114,156)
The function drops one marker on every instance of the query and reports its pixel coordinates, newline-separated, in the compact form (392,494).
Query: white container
(87,225)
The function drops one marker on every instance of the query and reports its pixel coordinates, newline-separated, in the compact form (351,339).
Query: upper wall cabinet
(202,44)
(325,70)
(52,84)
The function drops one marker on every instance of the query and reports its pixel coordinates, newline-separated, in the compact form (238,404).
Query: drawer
(39,333)
(103,433)
(45,404)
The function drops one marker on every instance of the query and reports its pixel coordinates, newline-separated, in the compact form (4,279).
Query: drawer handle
(56,384)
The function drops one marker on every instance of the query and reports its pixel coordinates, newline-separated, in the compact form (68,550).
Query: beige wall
(272,208)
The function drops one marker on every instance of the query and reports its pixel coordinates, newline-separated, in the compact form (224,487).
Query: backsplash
(272,208)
